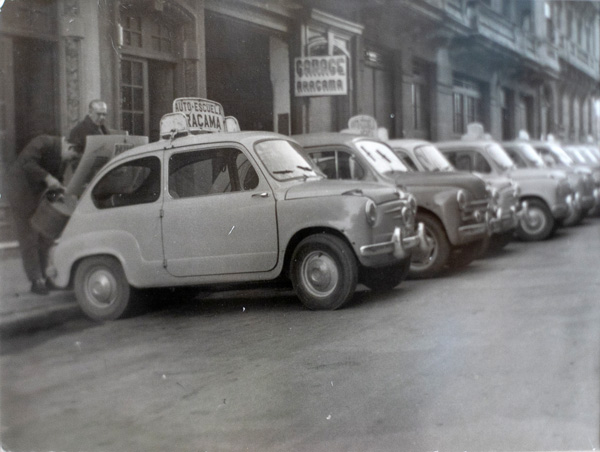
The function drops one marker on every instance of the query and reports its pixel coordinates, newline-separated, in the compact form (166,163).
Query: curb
(59,309)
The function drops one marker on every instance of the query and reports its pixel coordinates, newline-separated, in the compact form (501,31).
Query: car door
(218,215)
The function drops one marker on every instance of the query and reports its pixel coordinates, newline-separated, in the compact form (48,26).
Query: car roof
(331,138)
(246,138)
(410,143)
(462,143)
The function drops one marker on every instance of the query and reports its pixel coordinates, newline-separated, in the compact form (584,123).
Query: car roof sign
(171,124)
(202,115)
(231,124)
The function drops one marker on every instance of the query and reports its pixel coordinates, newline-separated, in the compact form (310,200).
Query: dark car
(451,206)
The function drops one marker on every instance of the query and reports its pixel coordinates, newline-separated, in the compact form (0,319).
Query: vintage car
(525,156)
(421,155)
(452,207)
(224,208)
(580,176)
(544,200)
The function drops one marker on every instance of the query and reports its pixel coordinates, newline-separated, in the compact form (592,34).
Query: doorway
(238,71)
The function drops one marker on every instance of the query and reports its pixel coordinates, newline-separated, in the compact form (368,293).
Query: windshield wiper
(286,171)
(383,156)
(304,168)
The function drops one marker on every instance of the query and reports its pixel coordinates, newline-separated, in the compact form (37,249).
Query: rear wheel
(386,278)
(429,262)
(575,217)
(537,223)
(101,288)
(324,272)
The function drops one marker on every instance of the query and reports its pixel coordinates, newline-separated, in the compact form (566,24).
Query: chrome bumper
(398,246)
(503,222)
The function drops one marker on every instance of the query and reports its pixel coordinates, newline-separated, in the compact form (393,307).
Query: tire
(384,278)
(101,288)
(575,218)
(433,261)
(537,223)
(499,241)
(324,272)
(466,254)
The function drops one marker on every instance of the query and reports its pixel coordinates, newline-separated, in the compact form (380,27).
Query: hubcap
(320,274)
(101,288)
(534,221)
(422,259)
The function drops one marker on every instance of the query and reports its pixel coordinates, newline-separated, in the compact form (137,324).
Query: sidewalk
(22,311)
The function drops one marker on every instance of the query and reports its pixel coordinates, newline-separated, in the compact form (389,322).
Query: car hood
(466,181)
(380,193)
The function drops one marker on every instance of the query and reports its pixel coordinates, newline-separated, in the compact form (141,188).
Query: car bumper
(399,246)
(504,222)
(472,232)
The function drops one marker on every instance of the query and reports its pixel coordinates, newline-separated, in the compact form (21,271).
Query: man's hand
(52,182)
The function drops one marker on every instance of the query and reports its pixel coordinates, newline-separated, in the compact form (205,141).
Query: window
(134,182)
(132,31)
(467,104)
(338,164)
(406,160)
(469,161)
(161,37)
(209,172)
(132,96)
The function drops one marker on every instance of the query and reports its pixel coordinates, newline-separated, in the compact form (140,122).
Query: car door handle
(264,194)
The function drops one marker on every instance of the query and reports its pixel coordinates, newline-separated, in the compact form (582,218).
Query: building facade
(422,68)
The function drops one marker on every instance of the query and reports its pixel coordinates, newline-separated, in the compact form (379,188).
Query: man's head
(97,111)
(67,151)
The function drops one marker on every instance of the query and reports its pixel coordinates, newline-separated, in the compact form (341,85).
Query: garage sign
(201,114)
(321,76)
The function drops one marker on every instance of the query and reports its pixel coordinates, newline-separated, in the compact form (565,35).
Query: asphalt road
(503,356)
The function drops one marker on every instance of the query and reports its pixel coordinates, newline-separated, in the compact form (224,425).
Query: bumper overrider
(503,220)
(399,246)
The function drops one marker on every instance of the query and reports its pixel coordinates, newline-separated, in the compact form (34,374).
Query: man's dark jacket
(26,175)
(82,130)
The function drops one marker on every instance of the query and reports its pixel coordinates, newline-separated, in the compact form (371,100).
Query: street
(501,356)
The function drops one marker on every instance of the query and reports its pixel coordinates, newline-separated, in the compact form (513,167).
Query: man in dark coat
(92,124)
(38,167)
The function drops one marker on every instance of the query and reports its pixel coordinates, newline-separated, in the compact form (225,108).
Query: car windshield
(381,157)
(500,157)
(528,153)
(432,159)
(561,155)
(285,160)
(576,155)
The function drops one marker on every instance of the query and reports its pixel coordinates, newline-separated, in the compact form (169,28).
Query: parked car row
(321,212)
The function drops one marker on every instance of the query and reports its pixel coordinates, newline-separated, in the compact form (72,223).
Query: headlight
(371,212)
(412,203)
(461,198)
(516,189)
(494,194)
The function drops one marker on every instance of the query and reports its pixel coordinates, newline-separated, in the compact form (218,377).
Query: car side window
(338,164)
(210,171)
(516,157)
(406,159)
(480,164)
(133,182)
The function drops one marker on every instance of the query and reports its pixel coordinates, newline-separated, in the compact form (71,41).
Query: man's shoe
(39,287)
(50,285)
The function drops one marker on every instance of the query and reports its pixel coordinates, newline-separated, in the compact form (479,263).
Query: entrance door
(35,89)
(7,102)
(238,72)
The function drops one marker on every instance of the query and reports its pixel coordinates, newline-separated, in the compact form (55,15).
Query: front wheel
(431,260)
(101,288)
(386,278)
(324,272)
(537,223)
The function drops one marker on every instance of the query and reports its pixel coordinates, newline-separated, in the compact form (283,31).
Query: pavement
(21,311)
